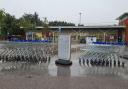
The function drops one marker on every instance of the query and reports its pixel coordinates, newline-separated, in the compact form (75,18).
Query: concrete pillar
(77,36)
(32,36)
(126,35)
(53,40)
(104,36)
(26,36)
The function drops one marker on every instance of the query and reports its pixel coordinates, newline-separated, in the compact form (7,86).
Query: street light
(80,19)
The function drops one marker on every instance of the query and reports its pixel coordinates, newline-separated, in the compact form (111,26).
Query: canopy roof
(123,16)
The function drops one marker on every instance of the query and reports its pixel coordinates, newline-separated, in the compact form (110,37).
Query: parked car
(82,41)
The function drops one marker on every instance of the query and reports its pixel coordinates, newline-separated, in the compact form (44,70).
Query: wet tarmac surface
(81,75)
(50,69)
(25,69)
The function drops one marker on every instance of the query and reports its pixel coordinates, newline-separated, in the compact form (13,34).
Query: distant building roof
(86,27)
(80,27)
(65,27)
(123,16)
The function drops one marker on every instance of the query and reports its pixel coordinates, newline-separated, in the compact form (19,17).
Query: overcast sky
(94,12)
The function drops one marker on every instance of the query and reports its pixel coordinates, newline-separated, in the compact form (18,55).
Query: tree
(30,20)
(80,25)
(25,23)
(2,18)
(60,23)
(46,24)
(10,26)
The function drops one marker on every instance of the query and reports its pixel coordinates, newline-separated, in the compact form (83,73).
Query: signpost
(64,50)
(64,46)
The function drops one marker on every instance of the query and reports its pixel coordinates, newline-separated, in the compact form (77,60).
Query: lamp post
(80,19)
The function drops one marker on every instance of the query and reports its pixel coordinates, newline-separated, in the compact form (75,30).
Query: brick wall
(125,23)
(126,34)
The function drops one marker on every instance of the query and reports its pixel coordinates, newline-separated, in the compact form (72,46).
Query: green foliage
(80,25)
(9,25)
(2,22)
(25,23)
(29,20)
(60,23)
(45,25)
(2,16)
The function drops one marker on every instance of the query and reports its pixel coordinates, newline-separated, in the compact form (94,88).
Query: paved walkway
(38,82)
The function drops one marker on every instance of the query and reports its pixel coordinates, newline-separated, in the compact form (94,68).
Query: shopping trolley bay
(39,60)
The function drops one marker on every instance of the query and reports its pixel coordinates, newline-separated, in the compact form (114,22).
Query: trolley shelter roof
(113,27)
